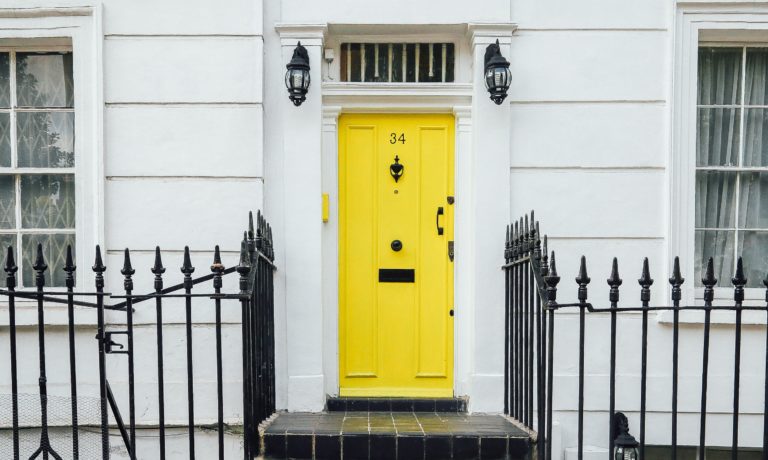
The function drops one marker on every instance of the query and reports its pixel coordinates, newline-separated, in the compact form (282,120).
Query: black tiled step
(338,404)
(393,436)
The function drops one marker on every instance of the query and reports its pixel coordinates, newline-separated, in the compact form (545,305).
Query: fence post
(127,271)
(676,281)
(99,269)
(69,269)
(645,282)
(244,269)
(158,270)
(218,269)
(10,282)
(551,279)
(187,269)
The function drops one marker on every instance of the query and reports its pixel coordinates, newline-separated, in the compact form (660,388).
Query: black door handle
(440,212)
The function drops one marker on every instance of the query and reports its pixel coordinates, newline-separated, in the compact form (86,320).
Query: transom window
(37,159)
(397,62)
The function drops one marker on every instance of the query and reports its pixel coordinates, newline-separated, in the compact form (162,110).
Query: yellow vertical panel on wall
(360,319)
(434,264)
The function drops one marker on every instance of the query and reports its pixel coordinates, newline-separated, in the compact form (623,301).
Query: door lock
(396,245)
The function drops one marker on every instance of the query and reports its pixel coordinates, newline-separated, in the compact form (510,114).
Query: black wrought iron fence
(255,296)
(532,311)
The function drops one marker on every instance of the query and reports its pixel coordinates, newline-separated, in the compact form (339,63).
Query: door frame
(341,98)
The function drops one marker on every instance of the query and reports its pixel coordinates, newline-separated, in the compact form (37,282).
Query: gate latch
(450,250)
(109,344)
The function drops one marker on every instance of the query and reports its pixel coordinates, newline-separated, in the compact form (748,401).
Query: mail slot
(396,275)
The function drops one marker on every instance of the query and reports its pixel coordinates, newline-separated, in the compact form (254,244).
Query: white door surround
(481,149)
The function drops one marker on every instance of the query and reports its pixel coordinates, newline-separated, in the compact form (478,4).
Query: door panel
(396,338)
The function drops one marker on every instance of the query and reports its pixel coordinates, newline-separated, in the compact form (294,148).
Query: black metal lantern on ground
(297,75)
(625,445)
(497,74)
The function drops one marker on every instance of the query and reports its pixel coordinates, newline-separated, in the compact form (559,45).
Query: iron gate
(255,297)
(532,311)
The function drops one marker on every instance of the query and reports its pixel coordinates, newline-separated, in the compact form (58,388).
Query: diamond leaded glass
(37,160)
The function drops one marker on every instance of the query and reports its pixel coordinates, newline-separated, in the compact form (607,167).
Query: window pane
(718,245)
(715,199)
(46,139)
(756,77)
(5,80)
(54,252)
(718,131)
(48,201)
(753,211)
(397,62)
(410,62)
(756,137)
(449,63)
(753,247)
(44,80)
(369,62)
(5,139)
(719,76)
(7,202)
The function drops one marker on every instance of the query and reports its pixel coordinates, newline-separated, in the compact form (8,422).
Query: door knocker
(396,169)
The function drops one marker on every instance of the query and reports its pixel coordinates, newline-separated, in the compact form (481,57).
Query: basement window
(398,62)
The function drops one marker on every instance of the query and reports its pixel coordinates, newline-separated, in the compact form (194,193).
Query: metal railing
(532,310)
(255,295)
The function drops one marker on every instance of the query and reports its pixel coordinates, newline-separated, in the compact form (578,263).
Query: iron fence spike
(217,267)
(582,278)
(739,280)
(69,264)
(98,264)
(676,279)
(709,280)
(552,265)
(10,262)
(127,269)
(251,231)
(244,259)
(39,264)
(158,268)
(645,277)
(187,267)
(614,280)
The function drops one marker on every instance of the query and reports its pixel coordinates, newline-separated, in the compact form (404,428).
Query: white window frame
(46,24)
(700,24)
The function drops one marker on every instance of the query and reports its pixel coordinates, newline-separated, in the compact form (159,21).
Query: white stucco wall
(197,130)
(181,164)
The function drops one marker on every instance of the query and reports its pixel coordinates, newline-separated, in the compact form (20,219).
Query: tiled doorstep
(393,436)
(343,404)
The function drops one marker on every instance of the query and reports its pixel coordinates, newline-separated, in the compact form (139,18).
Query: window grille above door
(398,62)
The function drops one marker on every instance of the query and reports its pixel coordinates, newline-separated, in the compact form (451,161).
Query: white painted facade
(183,125)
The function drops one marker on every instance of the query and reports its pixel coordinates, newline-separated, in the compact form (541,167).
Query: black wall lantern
(497,74)
(297,75)
(625,445)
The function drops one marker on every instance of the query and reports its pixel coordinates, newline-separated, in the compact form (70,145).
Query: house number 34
(394,138)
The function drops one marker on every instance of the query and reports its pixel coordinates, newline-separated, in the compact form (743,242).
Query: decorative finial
(127,270)
(645,282)
(582,280)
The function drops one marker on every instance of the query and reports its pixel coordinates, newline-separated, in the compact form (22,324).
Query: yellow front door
(396,268)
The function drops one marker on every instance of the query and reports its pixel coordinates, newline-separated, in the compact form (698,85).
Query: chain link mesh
(60,426)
